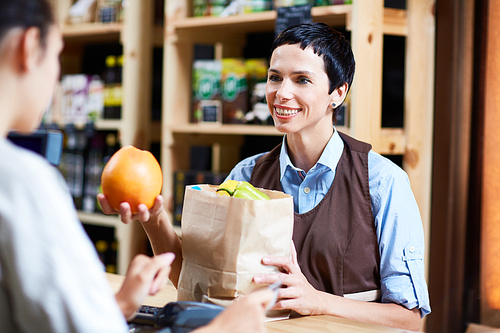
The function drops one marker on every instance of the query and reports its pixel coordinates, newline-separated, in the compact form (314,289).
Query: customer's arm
(247,314)
(145,276)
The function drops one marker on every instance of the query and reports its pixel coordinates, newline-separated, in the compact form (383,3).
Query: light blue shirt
(397,218)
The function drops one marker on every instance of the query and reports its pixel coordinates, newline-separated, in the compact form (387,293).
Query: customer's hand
(145,276)
(143,213)
(246,315)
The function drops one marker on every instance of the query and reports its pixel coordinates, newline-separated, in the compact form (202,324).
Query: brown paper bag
(224,240)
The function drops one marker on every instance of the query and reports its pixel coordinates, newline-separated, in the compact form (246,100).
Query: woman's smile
(286,112)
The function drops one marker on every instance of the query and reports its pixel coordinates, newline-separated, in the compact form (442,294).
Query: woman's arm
(300,296)
(157,226)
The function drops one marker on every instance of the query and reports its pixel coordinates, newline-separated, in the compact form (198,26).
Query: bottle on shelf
(112,146)
(110,80)
(117,89)
(93,170)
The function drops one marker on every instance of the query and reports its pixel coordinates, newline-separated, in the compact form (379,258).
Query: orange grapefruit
(131,175)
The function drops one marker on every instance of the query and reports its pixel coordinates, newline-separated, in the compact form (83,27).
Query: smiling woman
(355,214)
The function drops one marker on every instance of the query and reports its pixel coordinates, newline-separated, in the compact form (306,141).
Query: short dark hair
(25,14)
(326,42)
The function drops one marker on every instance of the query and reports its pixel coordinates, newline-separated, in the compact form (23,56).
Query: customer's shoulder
(17,163)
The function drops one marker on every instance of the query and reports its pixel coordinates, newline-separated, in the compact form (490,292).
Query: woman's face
(297,91)
(41,81)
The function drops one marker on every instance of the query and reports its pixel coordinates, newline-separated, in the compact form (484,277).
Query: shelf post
(419,106)
(367,43)
(137,41)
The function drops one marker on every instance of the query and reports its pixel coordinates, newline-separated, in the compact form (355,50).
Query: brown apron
(336,242)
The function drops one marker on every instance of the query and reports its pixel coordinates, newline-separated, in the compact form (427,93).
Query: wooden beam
(450,185)
(367,41)
(490,224)
(137,73)
(419,105)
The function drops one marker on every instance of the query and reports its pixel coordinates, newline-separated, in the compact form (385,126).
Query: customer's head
(30,45)
(24,14)
(327,43)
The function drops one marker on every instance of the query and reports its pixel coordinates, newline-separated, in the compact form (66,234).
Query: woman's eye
(273,78)
(303,80)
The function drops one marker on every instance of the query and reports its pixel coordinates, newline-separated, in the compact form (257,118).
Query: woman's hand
(145,276)
(157,226)
(299,295)
(246,314)
(125,212)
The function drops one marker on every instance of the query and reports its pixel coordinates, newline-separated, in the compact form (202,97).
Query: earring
(334,105)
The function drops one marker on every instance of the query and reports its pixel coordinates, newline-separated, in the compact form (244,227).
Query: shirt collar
(329,158)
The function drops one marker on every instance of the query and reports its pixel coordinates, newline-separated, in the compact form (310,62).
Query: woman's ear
(338,95)
(30,50)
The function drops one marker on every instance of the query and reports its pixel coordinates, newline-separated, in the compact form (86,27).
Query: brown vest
(336,241)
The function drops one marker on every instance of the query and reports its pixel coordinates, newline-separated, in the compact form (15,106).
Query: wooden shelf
(95,32)
(232,129)
(92,32)
(211,29)
(112,221)
(108,124)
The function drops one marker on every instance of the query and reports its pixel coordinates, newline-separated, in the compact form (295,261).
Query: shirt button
(307,190)
(412,249)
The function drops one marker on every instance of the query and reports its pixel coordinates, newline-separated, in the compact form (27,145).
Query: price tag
(290,16)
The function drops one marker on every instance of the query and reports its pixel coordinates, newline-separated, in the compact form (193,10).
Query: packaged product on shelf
(73,162)
(200,8)
(112,88)
(187,178)
(234,90)
(259,112)
(331,2)
(74,99)
(93,170)
(109,11)
(257,76)
(105,243)
(215,7)
(78,100)
(95,98)
(205,87)
(82,11)
(255,6)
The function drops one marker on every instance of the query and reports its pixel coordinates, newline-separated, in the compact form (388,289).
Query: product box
(234,90)
(205,89)
(191,177)
(255,6)
(81,99)
(257,77)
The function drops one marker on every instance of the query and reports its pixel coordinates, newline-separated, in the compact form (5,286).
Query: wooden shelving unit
(138,36)
(368,21)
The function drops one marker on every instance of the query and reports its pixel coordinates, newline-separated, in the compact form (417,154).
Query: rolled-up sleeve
(400,235)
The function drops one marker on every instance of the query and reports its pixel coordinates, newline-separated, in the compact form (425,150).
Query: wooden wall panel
(490,243)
